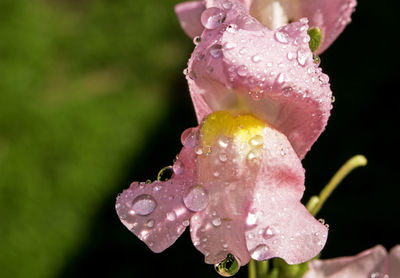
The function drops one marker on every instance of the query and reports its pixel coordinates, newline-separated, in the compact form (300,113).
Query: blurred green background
(92,97)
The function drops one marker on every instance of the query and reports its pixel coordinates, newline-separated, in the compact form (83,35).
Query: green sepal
(315,38)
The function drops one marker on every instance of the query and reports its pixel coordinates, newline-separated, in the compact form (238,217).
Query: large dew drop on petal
(155,212)
(228,267)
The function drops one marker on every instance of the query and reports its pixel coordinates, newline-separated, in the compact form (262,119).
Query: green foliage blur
(82,83)
(92,97)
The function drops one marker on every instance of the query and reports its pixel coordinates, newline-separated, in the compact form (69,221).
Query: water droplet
(256,58)
(186,71)
(256,95)
(144,204)
(199,151)
(260,253)
(230,45)
(268,233)
(254,154)
(322,221)
(216,174)
(165,173)
(281,78)
(196,198)
(228,267)
(150,223)
(231,28)
(171,216)
(216,222)
(178,168)
(227,5)
(256,140)
(290,56)
(211,18)
(157,187)
(242,70)
(243,51)
(323,78)
(192,75)
(223,157)
(185,223)
(317,59)
(223,142)
(189,137)
(333,99)
(196,40)
(302,57)
(287,91)
(216,51)
(282,37)
(251,219)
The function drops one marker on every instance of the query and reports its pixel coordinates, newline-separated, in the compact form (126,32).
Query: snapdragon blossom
(331,16)
(372,263)
(261,101)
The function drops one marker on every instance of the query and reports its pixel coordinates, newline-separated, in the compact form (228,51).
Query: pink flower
(243,66)
(372,263)
(238,183)
(331,16)
(261,102)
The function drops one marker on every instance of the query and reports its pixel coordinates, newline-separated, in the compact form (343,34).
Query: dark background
(92,97)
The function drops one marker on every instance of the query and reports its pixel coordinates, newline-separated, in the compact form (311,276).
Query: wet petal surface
(243,66)
(369,263)
(254,182)
(155,212)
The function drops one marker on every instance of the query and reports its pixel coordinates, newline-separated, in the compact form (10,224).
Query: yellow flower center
(242,128)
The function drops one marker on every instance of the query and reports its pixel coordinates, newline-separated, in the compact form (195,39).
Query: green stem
(315,204)
(258,269)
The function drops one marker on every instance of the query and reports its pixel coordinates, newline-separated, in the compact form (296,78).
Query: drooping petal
(254,182)
(156,212)
(394,262)
(242,66)
(278,225)
(365,264)
(189,17)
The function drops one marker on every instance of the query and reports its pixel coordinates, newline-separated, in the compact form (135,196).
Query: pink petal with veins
(254,204)
(155,212)
(189,14)
(370,263)
(278,225)
(244,67)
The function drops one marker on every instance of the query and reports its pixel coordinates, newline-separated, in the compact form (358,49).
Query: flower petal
(394,262)
(155,212)
(331,16)
(189,17)
(219,229)
(362,265)
(255,182)
(278,225)
(242,66)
